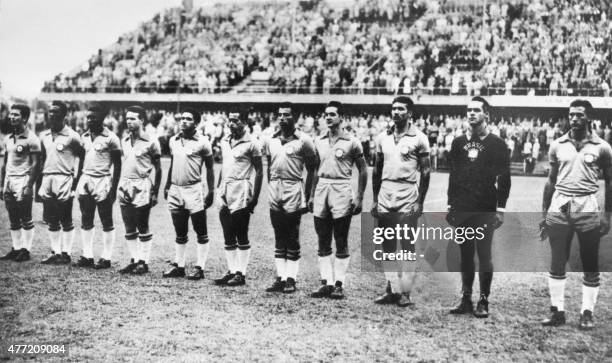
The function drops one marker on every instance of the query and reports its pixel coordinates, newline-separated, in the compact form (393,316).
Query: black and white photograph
(306,180)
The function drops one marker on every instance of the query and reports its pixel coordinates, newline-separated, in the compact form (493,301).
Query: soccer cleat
(323,291)
(466,306)
(238,280)
(277,286)
(586,321)
(196,274)
(51,260)
(129,268)
(141,268)
(175,271)
(102,264)
(223,280)
(388,297)
(338,292)
(482,308)
(403,300)
(556,319)
(84,262)
(64,259)
(11,255)
(290,287)
(24,255)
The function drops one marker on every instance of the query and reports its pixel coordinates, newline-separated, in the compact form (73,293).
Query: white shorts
(56,186)
(96,187)
(189,197)
(235,194)
(134,192)
(13,186)
(582,212)
(396,197)
(332,196)
(286,195)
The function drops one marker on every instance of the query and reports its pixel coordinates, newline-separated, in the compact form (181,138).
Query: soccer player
(400,180)
(136,194)
(477,163)
(61,146)
(241,154)
(18,174)
(570,205)
(332,204)
(97,189)
(288,152)
(185,192)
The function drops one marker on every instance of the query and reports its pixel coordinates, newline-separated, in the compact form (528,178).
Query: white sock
(281,268)
(589,298)
(133,245)
(231,256)
(406,281)
(326,269)
(16,238)
(203,249)
(56,244)
(557,293)
(145,251)
(27,238)
(180,254)
(108,242)
(340,267)
(87,241)
(67,241)
(243,260)
(292,269)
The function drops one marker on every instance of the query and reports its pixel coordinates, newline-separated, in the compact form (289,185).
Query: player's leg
(467,251)
(128,214)
(198,220)
(560,237)
(292,221)
(105,212)
(485,263)
(324,228)
(280,250)
(145,238)
(390,268)
(589,254)
(341,262)
(65,212)
(12,207)
(87,205)
(231,245)
(407,268)
(51,210)
(241,220)
(180,220)
(27,228)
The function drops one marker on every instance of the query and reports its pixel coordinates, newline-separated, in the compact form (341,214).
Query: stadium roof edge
(495,101)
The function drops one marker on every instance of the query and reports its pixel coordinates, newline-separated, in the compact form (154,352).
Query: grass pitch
(104,316)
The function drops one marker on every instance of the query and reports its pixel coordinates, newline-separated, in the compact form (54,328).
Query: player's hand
(112,195)
(153,198)
(251,204)
(604,225)
(543,230)
(417,210)
(357,207)
(1,193)
(311,205)
(27,191)
(166,193)
(374,210)
(208,201)
(38,198)
(499,220)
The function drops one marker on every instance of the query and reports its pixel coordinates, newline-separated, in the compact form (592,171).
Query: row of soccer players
(479,182)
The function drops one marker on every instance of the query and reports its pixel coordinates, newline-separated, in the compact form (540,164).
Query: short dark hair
(588,107)
(486,108)
(336,104)
(142,113)
(196,115)
(98,109)
(24,110)
(405,100)
(62,106)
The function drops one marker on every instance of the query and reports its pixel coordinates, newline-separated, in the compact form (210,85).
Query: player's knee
(293,255)
(27,225)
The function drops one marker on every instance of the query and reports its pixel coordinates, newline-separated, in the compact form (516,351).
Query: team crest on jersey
(339,153)
(404,150)
(98,147)
(19,148)
(289,150)
(236,153)
(59,147)
(472,154)
(589,158)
